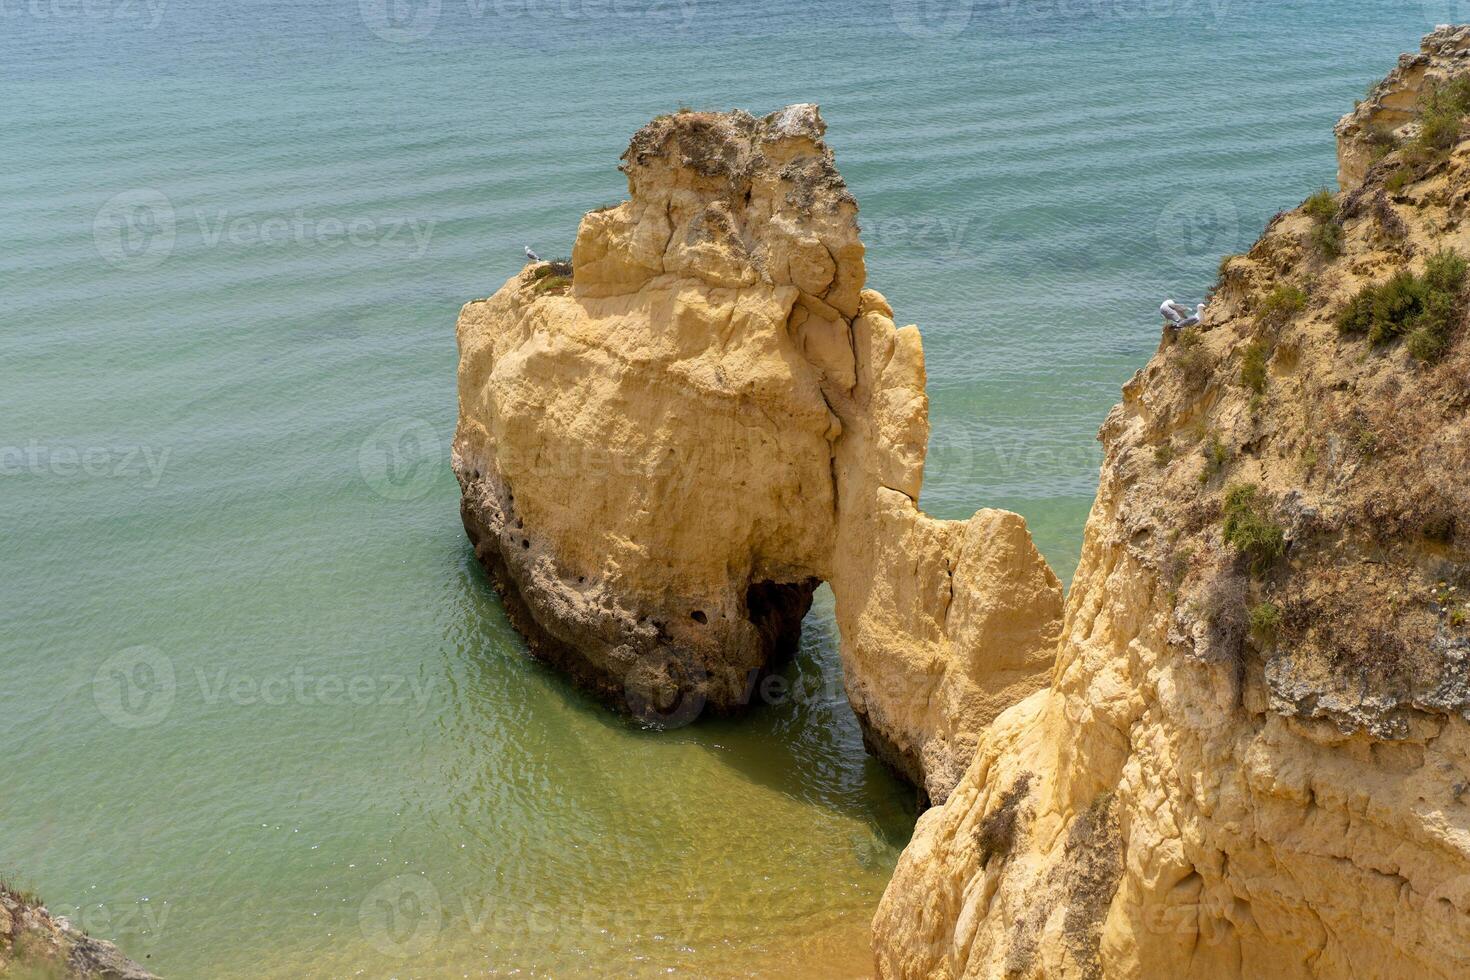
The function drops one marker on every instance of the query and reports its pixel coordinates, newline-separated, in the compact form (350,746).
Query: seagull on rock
(530,255)
(1179,316)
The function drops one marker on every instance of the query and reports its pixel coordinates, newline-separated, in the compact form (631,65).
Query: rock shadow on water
(799,736)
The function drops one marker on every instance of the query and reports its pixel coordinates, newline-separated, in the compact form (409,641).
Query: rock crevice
(1261,665)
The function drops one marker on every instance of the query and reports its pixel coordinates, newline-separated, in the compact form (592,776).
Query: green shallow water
(263,715)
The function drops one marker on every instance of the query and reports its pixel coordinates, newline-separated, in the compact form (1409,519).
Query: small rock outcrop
(1389,116)
(664,449)
(34,943)
(1254,755)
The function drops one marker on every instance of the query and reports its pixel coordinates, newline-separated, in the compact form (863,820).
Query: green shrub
(1399,179)
(1326,232)
(1396,304)
(1439,131)
(1216,454)
(1443,110)
(1445,270)
(1426,308)
(26,896)
(1309,459)
(1327,237)
(1426,345)
(548,283)
(1357,316)
(1264,618)
(1250,530)
(1280,305)
(1322,206)
(1253,365)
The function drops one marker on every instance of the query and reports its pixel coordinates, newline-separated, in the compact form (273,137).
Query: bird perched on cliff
(530,255)
(1178,315)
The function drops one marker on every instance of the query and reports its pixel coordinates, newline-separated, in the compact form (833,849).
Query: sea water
(263,715)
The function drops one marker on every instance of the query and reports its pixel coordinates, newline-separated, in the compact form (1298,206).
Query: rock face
(1254,755)
(33,943)
(663,452)
(1390,113)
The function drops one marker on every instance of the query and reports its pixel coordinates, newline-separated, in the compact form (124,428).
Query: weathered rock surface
(35,944)
(662,455)
(1390,112)
(1247,764)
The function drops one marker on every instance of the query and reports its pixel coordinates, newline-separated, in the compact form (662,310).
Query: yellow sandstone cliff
(1253,755)
(667,444)
(1253,758)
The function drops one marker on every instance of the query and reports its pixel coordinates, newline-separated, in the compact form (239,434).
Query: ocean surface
(262,714)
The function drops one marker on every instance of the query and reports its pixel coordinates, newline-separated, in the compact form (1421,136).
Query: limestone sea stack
(1254,756)
(666,445)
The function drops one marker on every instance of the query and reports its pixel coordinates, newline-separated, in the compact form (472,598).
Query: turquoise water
(263,715)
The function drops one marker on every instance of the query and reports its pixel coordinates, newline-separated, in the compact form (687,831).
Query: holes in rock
(699,617)
(525,543)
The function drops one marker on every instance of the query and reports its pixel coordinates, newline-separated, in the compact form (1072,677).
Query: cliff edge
(1253,758)
(35,945)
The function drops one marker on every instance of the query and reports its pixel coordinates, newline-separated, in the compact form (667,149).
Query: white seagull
(532,255)
(1178,314)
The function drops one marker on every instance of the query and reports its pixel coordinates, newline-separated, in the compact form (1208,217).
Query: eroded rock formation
(1254,756)
(666,447)
(1390,114)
